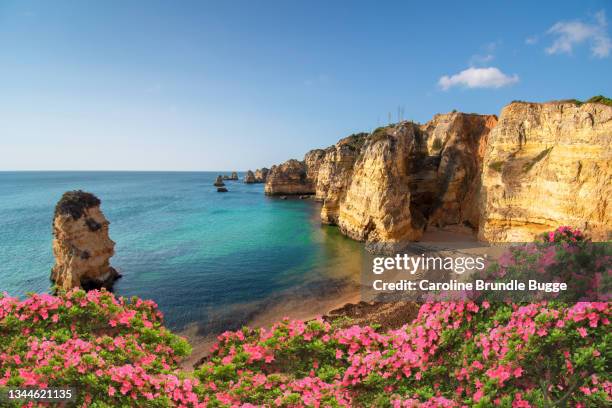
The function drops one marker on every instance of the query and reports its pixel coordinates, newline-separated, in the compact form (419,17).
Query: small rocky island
(232,177)
(219,181)
(260,176)
(81,244)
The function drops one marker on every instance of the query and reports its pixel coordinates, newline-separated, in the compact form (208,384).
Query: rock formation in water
(542,166)
(234,176)
(221,190)
(219,182)
(289,178)
(261,175)
(548,165)
(81,244)
(249,177)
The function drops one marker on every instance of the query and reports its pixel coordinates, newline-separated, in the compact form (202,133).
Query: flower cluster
(565,255)
(454,354)
(564,234)
(116,352)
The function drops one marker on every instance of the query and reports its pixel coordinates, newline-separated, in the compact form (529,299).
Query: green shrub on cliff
(600,99)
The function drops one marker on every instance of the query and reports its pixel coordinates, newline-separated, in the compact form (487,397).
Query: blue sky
(147,85)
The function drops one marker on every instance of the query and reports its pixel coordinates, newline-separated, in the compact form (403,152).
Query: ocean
(212,261)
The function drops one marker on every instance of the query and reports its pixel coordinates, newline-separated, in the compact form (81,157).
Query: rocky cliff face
(261,175)
(541,166)
(249,177)
(458,141)
(335,173)
(81,244)
(289,178)
(377,202)
(547,165)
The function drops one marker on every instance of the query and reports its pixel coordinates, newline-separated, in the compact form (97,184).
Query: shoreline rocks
(81,244)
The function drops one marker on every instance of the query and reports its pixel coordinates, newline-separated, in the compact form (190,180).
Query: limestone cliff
(458,141)
(81,244)
(547,165)
(289,178)
(540,166)
(249,177)
(261,175)
(335,174)
(377,202)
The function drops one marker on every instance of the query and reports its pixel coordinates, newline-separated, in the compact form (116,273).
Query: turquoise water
(211,259)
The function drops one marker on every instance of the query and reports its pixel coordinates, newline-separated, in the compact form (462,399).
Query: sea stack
(261,175)
(234,176)
(249,178)
(219,181)
(81,244)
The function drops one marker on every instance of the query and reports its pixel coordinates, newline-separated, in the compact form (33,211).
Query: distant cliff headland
(536,167)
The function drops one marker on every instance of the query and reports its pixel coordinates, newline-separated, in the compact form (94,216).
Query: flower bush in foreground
(116,353)
(454,354)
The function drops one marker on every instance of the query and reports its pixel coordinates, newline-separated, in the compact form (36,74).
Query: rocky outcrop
(221,190)
(377,202)
(335,174)
(261,175)
(234,176)
(458,141)
(219,181)
(389,185)
(249,177)
(541,166)
(295,177)
(547,165)
(289,178)
(81,243)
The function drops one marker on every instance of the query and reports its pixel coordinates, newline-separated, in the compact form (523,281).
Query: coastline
(296,310)
(347,302)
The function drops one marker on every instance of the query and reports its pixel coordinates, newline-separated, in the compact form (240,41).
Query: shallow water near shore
(211,261)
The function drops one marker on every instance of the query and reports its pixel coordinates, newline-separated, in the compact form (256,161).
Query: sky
(236,85)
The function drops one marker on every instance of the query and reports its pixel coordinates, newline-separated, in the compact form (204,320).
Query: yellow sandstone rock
(547,165)
(81,244)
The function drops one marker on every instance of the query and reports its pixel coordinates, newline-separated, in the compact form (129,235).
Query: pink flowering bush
(116,353)
(565,255)
(454,354)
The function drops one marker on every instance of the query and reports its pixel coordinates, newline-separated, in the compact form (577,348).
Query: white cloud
(531,40)
(489,77)
(572,33)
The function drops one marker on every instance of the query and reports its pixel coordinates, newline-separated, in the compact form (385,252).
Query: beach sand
(346,302)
